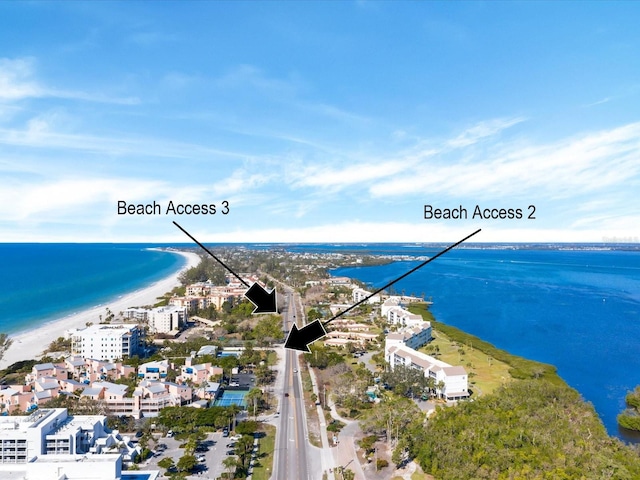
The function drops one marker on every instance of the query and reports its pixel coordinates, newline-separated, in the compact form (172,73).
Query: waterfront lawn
(266,446)
(521,368)
(485,373)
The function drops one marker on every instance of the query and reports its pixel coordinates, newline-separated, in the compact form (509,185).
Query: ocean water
(578,310)
(44,282)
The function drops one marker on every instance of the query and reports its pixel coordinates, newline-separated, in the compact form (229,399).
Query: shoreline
(29,344)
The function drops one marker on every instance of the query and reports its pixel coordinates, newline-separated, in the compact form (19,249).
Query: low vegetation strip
(264,466)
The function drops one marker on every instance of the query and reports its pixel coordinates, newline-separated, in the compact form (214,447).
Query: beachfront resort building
(160,319)
(50,444)
(106,341)
(203,295)
(167,319)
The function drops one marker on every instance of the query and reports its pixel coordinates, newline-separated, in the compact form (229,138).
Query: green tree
(187,463)
(167,463)
(5,343)
(253,398)
(248,427)
(230,464)
(243,449)
(348,474)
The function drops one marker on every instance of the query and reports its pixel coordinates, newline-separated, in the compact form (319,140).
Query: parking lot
(213,449)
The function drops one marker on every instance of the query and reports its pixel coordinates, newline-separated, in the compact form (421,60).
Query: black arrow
(264,301)
(301,337)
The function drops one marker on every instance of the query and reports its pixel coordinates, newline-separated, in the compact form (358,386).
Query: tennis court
(232,397)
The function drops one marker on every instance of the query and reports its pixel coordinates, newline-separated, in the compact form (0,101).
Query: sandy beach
(30,344)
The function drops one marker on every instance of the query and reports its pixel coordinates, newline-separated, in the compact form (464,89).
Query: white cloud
(482,130)
(240,181)
(325,177)
(566,168)
(66,198)
(15,79)
(39,133)
(18,82)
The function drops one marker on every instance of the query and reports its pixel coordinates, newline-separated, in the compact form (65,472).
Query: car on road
(286,394)
(295,370)
(230,452)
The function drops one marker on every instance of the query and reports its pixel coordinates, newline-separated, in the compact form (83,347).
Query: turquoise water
(43,282)
(578,310)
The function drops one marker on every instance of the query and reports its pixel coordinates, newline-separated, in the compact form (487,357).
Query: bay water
(577,309)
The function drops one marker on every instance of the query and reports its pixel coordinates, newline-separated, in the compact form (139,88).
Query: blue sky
(319,121)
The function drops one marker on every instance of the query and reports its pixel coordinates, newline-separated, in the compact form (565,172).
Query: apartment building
(411,337)
(454,378)
(167,319)
(400,316)
(153,370)
(359,294)
(49,444)
(106,341)
(198,373)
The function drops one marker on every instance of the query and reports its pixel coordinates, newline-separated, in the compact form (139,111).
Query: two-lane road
(291,437)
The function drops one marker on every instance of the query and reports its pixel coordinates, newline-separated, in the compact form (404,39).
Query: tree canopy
(525,429)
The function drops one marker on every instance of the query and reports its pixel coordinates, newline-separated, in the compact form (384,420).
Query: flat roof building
(106,342)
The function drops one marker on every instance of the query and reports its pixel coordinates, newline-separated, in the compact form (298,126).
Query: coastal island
(389,391)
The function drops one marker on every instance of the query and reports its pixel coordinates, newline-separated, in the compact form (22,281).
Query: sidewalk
(345,453)
(328,462)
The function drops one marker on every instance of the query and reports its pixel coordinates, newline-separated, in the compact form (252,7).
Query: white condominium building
(454,379)
(106,342)
(400,316)
(49,444)
(167,319)
(359,294)
(412,337)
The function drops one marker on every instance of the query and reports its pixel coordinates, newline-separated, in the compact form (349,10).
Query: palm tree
(440,386)
(254,396)
(431,385)
(229,464)
(243,450)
